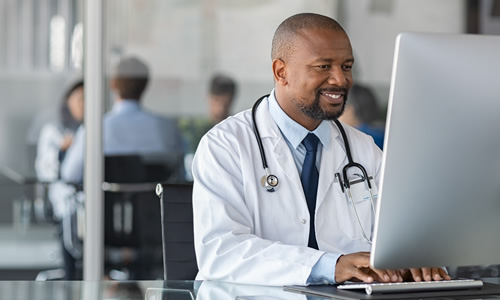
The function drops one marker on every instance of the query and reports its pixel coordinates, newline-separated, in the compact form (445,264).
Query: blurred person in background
(362,112)
(54,140)
(220,97)
(128,129)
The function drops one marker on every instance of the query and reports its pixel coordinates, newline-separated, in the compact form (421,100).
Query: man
(362,112)
(220,97)
(245,234)
(221,93)
(127,128)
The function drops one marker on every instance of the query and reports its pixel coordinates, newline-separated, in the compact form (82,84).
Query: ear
(279,72)
(112,84)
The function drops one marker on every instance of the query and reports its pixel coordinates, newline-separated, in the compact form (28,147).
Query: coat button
(304,221)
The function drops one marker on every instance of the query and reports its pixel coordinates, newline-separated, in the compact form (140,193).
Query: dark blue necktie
(309,178)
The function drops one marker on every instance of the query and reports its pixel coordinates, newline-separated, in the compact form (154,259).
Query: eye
(324,67)
(346,68)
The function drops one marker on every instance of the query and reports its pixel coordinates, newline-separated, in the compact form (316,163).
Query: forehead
(328,44)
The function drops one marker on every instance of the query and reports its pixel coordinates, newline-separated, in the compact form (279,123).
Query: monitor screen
(439,201)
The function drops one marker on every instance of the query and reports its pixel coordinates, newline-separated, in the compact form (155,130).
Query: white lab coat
(245,234)
(47,166)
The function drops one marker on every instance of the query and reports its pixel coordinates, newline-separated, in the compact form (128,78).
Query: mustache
(343,90)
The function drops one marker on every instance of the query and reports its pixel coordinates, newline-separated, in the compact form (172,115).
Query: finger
(394,275)
(405,274)
(400,274)
(426,274)
(380,275)
(444,274)
(416,274)
(361,275)
(436,275)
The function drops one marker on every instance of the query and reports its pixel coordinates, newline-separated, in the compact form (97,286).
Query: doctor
(245,234)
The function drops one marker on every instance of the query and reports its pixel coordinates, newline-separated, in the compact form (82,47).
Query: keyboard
(422,286)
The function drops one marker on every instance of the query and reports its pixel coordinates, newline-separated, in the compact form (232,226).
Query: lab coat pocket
(360,214)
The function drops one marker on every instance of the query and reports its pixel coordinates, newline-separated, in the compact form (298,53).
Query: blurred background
(184,43)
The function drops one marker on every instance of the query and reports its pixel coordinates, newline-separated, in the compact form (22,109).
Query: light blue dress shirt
(293,133)
(127,129)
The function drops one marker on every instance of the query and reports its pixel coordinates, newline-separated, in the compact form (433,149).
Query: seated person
(221,95)
(361,111)
(54,140)
(127,128)
(302,231)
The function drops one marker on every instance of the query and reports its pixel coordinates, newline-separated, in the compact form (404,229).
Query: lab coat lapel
(333,158)
(287,165)
(273,140)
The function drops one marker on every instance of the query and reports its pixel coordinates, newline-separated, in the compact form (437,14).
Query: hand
(66,142)
(427,274)
(356,267)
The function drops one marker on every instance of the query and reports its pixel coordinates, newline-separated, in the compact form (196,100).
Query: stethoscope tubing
(257,134)
(272,181)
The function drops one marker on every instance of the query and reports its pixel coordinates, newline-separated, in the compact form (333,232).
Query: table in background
(25,252)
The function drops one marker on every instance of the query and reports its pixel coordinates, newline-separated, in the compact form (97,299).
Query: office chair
(131,216)
(179,259)
(132,239)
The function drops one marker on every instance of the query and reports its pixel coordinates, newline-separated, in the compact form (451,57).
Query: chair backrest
(125,211)
(179,259)
(132,211)
(131,217)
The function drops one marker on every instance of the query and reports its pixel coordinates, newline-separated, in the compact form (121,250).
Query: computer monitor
(439,201)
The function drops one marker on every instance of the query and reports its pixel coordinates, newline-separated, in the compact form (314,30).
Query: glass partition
(36,65)
(184,44)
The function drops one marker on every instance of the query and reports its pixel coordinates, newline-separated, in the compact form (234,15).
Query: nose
(338,77)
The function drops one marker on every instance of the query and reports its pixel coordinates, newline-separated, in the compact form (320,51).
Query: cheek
(76,107)
(350,82)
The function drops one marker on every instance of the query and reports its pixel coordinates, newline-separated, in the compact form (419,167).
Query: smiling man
(300,227)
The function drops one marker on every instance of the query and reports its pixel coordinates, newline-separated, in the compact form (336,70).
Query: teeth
(334,96)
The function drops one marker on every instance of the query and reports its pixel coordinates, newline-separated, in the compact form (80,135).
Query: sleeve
(72,166)
(323,271)
(227,247)
(47,154)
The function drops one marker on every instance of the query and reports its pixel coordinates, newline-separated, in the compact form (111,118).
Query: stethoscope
(271,181)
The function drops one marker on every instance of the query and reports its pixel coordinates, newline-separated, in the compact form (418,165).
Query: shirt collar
(293,131)
(126,105)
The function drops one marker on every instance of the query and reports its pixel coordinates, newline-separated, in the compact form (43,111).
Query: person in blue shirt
(127,129)
(362,112)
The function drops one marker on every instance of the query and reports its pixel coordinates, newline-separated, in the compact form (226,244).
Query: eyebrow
(329,60)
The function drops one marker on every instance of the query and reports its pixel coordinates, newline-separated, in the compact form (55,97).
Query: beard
(314,109)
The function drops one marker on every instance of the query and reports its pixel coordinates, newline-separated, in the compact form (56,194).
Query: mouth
(334,98)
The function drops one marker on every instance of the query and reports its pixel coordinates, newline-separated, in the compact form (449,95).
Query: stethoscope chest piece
(270,182)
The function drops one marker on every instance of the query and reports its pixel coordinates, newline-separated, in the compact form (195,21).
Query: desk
(26,252)
(148,290)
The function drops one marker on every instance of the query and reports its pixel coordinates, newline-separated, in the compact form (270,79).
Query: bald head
(283,40)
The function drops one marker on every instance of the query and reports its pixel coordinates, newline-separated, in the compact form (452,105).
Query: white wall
(374,24)
(184,41)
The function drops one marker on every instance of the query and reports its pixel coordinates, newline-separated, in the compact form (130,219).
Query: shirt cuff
(323,272)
